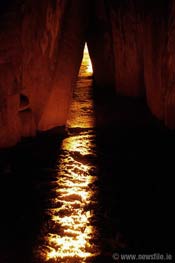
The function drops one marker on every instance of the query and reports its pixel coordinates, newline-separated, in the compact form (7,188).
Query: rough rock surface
(131,44)
(69,56)
(127,39)
(155,55)
(41,46)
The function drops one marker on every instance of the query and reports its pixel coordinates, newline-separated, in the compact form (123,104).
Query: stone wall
(131,44)
(41,46)
(69,56)
(155,55)
(127,39)
(10,76)
(168,71)
(100,44)
(143,40)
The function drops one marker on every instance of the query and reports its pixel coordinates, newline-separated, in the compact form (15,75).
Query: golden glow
(87,70)
(71,233)
(82,109)
(74,195)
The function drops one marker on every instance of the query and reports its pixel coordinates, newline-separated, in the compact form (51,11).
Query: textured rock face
(10,62)
(131,44)
(159,73)
(143,39)
(41,46)
(127,39)
(69,56)
(155,55)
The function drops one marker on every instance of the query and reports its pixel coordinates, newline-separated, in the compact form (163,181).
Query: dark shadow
(27,174)
(136,170)
(24,102)
(136,166)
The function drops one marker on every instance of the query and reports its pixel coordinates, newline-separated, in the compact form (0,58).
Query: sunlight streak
(72,234)
(86,69)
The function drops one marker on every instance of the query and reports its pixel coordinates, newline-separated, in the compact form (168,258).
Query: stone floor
(136,168)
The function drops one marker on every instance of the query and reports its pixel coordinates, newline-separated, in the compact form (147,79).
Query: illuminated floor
(72,235)
(72,211)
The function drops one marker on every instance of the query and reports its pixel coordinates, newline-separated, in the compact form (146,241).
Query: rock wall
(100,44)
(131,44)
(155,55)
(69,56)
(127,39)
(168,71)
(143,40)
(41,46)
(10,77)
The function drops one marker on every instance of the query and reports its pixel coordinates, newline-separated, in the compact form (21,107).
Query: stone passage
(131,45)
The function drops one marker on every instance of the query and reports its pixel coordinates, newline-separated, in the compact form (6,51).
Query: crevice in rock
(24,103)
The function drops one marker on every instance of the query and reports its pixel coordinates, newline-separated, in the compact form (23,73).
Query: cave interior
(131,46)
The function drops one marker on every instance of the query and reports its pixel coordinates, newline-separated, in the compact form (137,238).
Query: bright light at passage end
(87,60)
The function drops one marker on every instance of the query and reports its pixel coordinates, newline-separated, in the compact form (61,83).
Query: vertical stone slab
(70,51)
(27,123)
(169,99)
(99,40)
(9,122)
(10,72)
(127,38)
(41,28)
(155,41)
